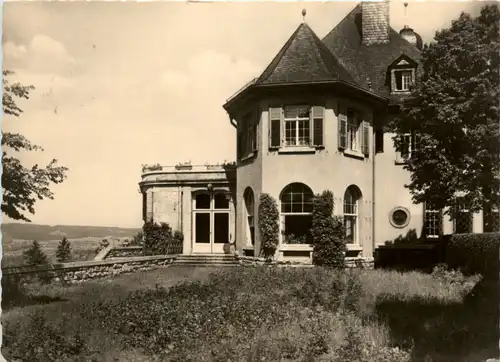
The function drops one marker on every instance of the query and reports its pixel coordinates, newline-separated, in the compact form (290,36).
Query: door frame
(211,247)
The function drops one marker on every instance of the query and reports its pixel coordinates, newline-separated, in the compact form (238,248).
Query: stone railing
(123,252)
(78,272)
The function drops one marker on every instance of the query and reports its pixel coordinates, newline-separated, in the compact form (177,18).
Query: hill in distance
(19,231)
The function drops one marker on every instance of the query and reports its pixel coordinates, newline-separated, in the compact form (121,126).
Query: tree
(63,252)
(35,255)
(329,244)
(454,113)
(23,186)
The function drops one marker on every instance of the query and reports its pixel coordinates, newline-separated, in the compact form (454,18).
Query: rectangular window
(432,221)
(297,126)
(403,80)
(297,229)
(408,145)
(491,219)
(462,223)
(353,136)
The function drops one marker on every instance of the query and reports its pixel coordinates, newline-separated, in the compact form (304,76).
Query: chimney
(375,22)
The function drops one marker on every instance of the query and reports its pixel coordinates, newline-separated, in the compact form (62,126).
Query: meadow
(82,249)
(259,314)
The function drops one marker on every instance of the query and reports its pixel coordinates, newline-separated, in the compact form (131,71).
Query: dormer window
(402,74)
(403,79)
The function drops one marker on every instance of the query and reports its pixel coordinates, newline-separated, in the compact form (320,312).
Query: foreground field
(255,314)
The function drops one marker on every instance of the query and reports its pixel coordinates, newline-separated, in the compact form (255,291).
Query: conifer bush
(35,255)
(329,244)
(63,252)
(268,225)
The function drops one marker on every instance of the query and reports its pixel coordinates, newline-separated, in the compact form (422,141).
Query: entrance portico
(197,200)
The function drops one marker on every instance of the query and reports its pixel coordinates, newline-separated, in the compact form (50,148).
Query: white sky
(123,84)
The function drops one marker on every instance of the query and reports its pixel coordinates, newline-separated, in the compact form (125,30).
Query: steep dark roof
(304,58)
(367,63)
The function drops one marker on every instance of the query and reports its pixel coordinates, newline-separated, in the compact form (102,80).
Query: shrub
(63,252)
(159,239)
(41,340)
(14,290)
(474,254)
(35,255)
(137,239)
(268,225)
(329,246)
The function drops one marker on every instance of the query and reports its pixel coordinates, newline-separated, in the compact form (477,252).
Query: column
(186,219)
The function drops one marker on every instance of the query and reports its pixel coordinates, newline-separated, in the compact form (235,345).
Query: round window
(400,217)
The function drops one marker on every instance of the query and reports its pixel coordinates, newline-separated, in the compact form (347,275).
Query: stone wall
(79,272)
(351,262)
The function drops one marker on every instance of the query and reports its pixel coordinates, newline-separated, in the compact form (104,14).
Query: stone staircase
(203,260)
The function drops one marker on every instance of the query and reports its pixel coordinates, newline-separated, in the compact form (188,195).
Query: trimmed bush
(329,245)
(474,254)
(159,239)
(268,225)
(63,252)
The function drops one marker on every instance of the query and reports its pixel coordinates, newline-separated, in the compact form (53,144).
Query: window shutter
(365,145)
(255,130)
(274,127)
(342,132)
(317,134)
(239,144)
(379,140)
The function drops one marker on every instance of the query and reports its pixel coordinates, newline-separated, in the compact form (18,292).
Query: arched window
(250,211)
(352,197)
(296,214)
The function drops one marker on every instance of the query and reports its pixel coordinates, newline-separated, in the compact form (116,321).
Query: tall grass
(247,314)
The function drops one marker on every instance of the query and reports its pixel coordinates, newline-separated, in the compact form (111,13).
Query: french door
(210,222)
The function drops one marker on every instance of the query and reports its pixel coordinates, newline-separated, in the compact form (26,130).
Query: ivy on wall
(268,225)
(329,244)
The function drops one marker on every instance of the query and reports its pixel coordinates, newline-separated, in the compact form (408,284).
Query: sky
(121,84)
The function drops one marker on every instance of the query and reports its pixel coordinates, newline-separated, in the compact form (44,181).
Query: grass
(254,314)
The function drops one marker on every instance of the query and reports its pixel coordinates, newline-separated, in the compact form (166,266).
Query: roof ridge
(276,60)
(344,19)
(323,50)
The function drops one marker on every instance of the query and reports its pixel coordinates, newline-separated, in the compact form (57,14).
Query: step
(214,265)
(184,261)
(205,257)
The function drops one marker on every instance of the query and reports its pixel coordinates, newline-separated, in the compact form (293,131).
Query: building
(312,121)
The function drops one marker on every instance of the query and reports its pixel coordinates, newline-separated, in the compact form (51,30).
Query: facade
(313,121)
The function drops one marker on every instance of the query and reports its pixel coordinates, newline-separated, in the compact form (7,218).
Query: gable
(403,61)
